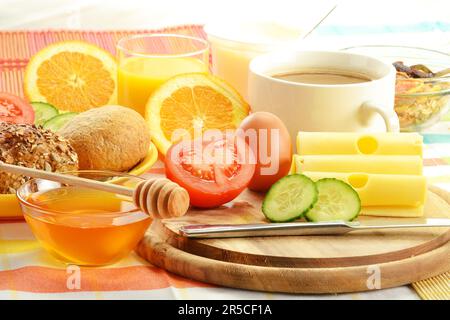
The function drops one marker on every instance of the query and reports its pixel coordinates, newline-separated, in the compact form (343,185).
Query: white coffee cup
(364,106)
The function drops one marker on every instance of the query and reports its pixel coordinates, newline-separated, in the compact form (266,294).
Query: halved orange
(194,100)
(72,75)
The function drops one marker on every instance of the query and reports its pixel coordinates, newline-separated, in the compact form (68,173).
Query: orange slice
(72,75)
(194,102)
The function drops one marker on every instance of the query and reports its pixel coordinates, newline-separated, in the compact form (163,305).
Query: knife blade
(301,228)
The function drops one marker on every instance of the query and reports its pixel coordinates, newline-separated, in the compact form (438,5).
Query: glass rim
(442,93)
(375,45)
(113,174)
(121,47)
(226,41)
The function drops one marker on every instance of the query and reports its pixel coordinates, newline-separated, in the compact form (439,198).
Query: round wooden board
(301,264)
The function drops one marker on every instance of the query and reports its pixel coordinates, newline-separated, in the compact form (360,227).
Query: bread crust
(32,147)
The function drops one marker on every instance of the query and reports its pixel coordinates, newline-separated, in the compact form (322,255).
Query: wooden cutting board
(358,261)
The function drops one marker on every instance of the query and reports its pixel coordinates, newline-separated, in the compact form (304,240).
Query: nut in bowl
(420,103)
(83,226)
(422,94)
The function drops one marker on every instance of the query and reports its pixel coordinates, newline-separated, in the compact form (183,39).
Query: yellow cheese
(293,168)
(384,194)
(320,143)
(360,163)
(393,211)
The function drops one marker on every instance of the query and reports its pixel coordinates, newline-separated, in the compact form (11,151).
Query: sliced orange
(72,75)
(194,100)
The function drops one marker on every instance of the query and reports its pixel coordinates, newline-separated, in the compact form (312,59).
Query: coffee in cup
(324,91)
(323,76)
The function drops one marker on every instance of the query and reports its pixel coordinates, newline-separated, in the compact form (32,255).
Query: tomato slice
(14,109)
(213,171)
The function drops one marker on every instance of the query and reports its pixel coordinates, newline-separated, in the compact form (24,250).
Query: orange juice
(86,227)
(138,77)
(234,45)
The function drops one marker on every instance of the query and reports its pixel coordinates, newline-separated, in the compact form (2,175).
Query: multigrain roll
(28,146)
(108,138)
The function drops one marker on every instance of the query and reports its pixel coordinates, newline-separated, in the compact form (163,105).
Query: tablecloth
(28,272)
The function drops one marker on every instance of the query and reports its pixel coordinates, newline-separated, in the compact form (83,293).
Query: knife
(300,228)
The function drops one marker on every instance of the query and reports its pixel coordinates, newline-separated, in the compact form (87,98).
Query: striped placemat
(15,51)
(437,170)
(436,288)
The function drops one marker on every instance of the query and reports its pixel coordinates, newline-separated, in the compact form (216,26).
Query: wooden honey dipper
(158,197)
(162,197)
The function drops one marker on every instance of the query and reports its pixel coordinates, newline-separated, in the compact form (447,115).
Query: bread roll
(29,146)
(108,138)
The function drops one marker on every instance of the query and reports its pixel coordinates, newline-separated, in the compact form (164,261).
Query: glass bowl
(83,226)
(419,102)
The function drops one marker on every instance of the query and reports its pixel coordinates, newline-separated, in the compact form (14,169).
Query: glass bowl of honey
(83,226)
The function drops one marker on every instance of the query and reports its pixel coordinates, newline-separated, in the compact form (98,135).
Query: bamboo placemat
(17,47)
(436,288)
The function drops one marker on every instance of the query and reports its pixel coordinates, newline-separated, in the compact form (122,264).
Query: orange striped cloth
(47,276)
(54,280)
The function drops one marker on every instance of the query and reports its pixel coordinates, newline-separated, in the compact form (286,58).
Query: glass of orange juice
(147,60)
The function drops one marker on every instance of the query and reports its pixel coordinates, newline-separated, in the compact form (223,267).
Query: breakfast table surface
(28,272)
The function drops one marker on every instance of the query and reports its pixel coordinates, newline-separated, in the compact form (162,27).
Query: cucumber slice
(42,112)
(289,198)
(59,121)
(337,201)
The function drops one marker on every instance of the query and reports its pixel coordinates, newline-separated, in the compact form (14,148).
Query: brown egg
(271,143)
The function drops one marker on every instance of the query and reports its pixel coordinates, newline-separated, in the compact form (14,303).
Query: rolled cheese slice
(382,189)
(387,143)
(360,163)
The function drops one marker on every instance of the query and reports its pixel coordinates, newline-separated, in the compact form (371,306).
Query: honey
(85,227)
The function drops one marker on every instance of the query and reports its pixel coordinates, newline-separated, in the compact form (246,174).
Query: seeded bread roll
(28,146)
(108,138)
